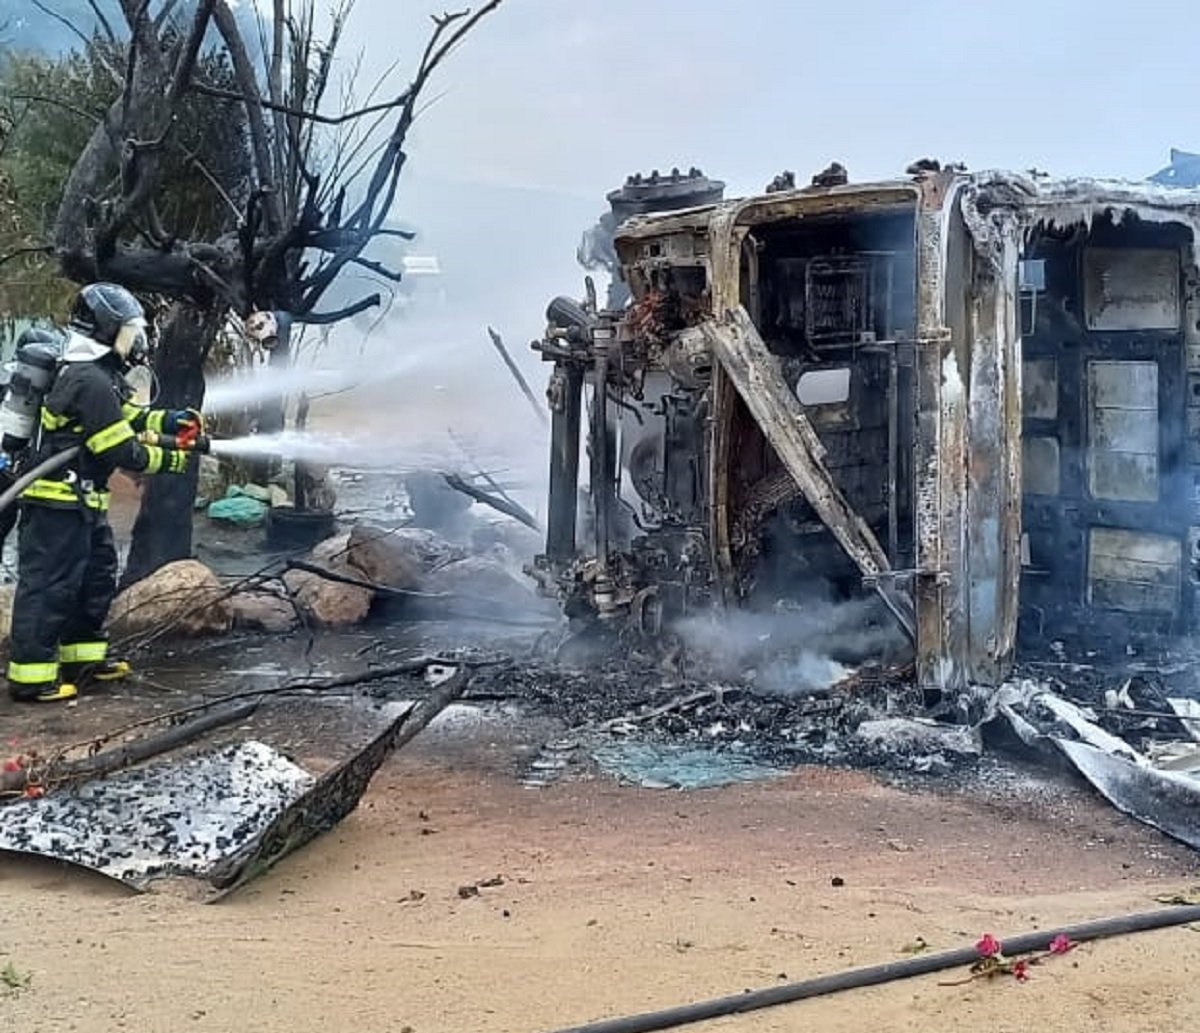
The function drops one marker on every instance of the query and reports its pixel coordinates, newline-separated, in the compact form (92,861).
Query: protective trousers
(67,577)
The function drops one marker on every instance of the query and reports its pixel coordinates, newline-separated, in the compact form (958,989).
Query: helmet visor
(132,344)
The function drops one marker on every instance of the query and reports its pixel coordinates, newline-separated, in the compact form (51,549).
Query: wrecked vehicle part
(167,819)
(1166,800)
(216,820)
(1158,785)
(999,372)
(757,377)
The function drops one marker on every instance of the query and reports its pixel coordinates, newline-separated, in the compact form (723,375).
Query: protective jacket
(89,404)
(67,559)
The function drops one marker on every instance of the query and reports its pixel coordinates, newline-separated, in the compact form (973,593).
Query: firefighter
(67,562)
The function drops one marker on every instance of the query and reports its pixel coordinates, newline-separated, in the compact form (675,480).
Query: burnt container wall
(981,293)
(834,299)
(1110,407)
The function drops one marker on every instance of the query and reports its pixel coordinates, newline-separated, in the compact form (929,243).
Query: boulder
(328,604)
(431,549)
(332,553)
(263,611)
(485,580)
(185,595)
(210,483)
(384,558)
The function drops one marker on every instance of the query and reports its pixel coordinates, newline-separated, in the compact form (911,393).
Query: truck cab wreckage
(974,395)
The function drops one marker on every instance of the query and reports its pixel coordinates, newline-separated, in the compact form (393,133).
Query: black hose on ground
(855,978)
(59,459)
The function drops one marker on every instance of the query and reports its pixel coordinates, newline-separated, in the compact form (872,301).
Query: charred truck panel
(975,396)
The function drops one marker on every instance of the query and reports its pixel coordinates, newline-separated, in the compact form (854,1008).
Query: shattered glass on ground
(674,766)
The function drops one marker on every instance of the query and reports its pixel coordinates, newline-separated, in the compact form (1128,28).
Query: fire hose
(55,462)
(888,972)
(198,444)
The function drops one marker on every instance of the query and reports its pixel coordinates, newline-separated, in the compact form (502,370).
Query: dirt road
(614,900)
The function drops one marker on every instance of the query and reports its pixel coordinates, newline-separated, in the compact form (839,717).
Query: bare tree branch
(310,116)
(275,78)
(88,44)
(91,117)
(323,318)
(103,20)
(379,268)
(260,141)
(37,249)
(200,167)
(161,18)
(381,192)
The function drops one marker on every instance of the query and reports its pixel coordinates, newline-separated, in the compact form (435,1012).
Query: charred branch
(243,69)
(336,316)
(379,269)
(299,113)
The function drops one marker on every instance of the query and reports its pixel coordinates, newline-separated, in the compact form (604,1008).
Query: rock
(332,553)
(263,611)
(278,496)
(185,595)
(210,484)
(911,735)
(255,491)
(329,604)
(430,548)
(385,559)
(485,579)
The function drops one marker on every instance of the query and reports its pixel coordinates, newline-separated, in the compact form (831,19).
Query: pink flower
(1061,944)
(12,764)
(988,946)
(1020,970)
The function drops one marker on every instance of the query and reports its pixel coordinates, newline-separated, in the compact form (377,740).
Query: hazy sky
(551,103)
(570,95)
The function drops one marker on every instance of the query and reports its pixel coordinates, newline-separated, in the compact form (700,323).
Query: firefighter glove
(175,461)
(181,421)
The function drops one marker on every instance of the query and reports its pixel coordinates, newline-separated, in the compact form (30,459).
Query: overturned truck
(974,395)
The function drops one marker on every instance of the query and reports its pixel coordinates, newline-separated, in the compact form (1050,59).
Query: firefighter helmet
(102,309)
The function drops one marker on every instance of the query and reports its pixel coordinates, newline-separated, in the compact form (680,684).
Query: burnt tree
(321,189)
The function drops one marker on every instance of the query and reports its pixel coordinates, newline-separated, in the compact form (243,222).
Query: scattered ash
(630,701)
(168,818)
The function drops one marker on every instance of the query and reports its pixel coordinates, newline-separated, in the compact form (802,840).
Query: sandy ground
(614,900)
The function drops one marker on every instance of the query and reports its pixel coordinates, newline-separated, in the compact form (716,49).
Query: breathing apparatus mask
(132,345)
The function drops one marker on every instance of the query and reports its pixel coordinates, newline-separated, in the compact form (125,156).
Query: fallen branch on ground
(55,772)
(505,506)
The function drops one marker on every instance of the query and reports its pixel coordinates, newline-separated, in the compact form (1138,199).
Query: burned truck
(974,395)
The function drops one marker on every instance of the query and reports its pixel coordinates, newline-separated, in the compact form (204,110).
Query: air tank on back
(27,379)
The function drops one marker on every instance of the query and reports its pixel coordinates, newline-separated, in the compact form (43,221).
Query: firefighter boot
(107,670)
(46,692)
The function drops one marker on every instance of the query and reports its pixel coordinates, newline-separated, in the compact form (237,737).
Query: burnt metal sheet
(757,376)
(1131,288)
(170,818)
(213,821)
(1163,799)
